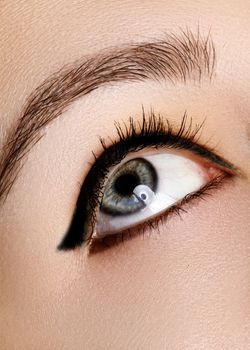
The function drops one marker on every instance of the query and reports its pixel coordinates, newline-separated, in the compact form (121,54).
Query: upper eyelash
(152,131)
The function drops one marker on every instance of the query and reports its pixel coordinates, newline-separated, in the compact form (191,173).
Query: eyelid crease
(151,131)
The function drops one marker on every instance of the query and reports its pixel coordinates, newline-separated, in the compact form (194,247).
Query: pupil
(125,184)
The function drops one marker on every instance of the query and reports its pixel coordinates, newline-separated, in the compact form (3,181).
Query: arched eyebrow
(176,58)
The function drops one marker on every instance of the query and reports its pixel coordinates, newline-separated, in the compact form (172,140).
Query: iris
(129,188)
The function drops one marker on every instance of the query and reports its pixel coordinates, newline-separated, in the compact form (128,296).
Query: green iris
(119,197)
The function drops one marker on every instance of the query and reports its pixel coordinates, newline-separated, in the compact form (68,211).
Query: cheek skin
(187,285)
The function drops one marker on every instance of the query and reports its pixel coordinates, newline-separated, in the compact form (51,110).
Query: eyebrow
(177,58)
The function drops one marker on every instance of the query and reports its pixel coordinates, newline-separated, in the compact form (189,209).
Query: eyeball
(143,187)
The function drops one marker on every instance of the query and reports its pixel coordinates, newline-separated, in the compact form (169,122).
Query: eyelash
(154,132)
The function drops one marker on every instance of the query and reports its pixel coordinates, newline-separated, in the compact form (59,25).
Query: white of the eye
(177,177)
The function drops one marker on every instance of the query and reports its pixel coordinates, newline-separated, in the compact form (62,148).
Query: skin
(185,288)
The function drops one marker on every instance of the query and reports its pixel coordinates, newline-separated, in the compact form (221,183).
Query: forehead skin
(189,288)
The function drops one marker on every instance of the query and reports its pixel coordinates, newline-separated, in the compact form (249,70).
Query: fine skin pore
(186,287)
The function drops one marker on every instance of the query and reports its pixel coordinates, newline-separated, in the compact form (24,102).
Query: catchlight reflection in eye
(143,187)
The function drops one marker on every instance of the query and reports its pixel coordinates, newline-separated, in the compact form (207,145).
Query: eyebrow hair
(176,58)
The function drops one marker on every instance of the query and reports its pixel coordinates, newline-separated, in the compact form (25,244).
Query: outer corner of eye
(62,246)
(66,243)
(74,237)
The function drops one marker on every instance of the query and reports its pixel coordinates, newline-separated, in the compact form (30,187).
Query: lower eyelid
(96,245)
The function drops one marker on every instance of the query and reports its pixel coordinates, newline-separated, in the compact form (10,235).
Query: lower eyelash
(107,242)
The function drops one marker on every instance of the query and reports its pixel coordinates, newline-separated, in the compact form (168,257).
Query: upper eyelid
(186,131)
(177,57)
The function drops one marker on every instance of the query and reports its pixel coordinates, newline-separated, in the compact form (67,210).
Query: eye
(144,187)
(149,171)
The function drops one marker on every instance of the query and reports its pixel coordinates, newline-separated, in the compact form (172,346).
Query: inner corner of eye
(210,171)
(146,186)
